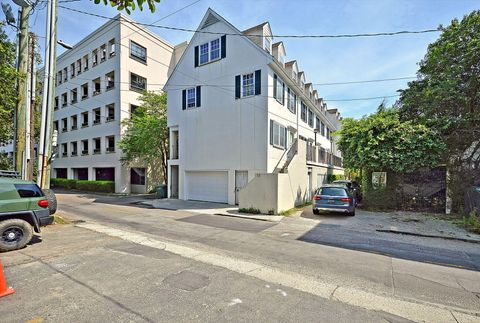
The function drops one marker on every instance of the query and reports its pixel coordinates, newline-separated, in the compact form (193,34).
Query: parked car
(354,186)
(334,198)
(24,208)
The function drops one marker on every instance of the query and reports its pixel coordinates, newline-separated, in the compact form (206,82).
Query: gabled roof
(212,16)
(290,63)
(258,26)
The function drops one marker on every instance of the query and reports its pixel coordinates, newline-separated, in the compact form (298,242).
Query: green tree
(129,5)
(446,97)
(382,142)
(8,75)
(145,139)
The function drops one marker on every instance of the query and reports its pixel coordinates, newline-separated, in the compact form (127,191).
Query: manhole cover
(187,280)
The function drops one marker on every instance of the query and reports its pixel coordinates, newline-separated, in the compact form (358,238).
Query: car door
(10,201)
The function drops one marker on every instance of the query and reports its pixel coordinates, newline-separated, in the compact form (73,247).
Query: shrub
(63,183)
(380,199)
(96,186)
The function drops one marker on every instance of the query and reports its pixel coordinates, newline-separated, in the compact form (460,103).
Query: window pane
(215,49)
(204,53)
(28,190)
(248,85)
(138,51)
(191,98)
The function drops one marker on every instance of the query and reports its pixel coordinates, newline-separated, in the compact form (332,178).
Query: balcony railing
(321,156)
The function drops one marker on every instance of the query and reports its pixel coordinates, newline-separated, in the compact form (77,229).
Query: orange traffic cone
(4,289)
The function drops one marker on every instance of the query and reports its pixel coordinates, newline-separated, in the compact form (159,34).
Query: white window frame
(189,104)
(279,132)
(251,87)
(217,50)
(291,100)
(302,109)
(133,52)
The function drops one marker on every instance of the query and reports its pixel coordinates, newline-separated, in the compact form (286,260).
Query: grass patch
(57,219)
(250,210)
(470,222)
(296,209)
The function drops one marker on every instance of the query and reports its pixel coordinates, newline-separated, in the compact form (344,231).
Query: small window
(55,125)
(96,116)
(191,98)
(110,112)
(215,49)
(310,118)
(103,53)
(94,57)
(97,86)
(248,85)
(204,53)
(85,62)
(64,125)
(267,43)
(64,150)
(73,96)
(84,91)
(55,105)
(279,85)
(96,145)
(74,122)
(74,148)
(72,70)
(317,124)
(279,138)
(322,129)
(303,114)
(28,190)
(138,52)
(133,110)
(292,101)
(110,80)
(137,82)
(110,140)
(85,147)
(84,119)
(111,47)
(79,66)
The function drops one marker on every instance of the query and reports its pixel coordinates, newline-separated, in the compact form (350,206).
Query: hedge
(83,185)
(336,177)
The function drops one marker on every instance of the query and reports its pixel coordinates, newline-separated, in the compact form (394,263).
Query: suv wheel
(52,200)
(14,234)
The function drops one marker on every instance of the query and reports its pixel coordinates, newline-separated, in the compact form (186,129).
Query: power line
(165,17)
(402,32)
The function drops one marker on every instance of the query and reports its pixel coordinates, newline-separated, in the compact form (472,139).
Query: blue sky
(323,60)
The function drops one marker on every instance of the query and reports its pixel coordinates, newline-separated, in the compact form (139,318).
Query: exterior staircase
(289,153)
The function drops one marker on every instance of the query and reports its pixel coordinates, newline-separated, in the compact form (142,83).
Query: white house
(244,123)
(98,84)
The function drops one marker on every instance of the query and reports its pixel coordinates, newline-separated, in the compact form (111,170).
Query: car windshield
(333,191)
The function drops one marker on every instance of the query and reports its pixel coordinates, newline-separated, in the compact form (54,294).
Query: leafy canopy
(446,95)
(8,75)
(146,133)
(129,5)
(381,141)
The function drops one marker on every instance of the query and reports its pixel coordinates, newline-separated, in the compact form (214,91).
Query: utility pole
(30,112)
(46,133)
(20,112)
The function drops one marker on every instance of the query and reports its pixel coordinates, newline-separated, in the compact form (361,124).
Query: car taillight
(346,199)
(316,198)
(43,203)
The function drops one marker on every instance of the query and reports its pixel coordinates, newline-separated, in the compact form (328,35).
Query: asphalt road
(464,255)
(160,265)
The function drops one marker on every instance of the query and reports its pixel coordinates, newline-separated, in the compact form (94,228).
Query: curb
(266,218)
(428,235)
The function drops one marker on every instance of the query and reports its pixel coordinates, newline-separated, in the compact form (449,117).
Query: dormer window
(267,44)
(294,75)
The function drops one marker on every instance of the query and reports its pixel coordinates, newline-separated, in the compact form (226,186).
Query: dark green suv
(23,208)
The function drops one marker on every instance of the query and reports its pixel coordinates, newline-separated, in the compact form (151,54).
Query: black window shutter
(196,56)
(275,85)
(283,92)
(258,82)
(199,96)
(184,99)
(285,138)
(223,42)
(271,132)
(237,87)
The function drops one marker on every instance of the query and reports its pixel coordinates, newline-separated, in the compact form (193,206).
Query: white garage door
(207,186)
